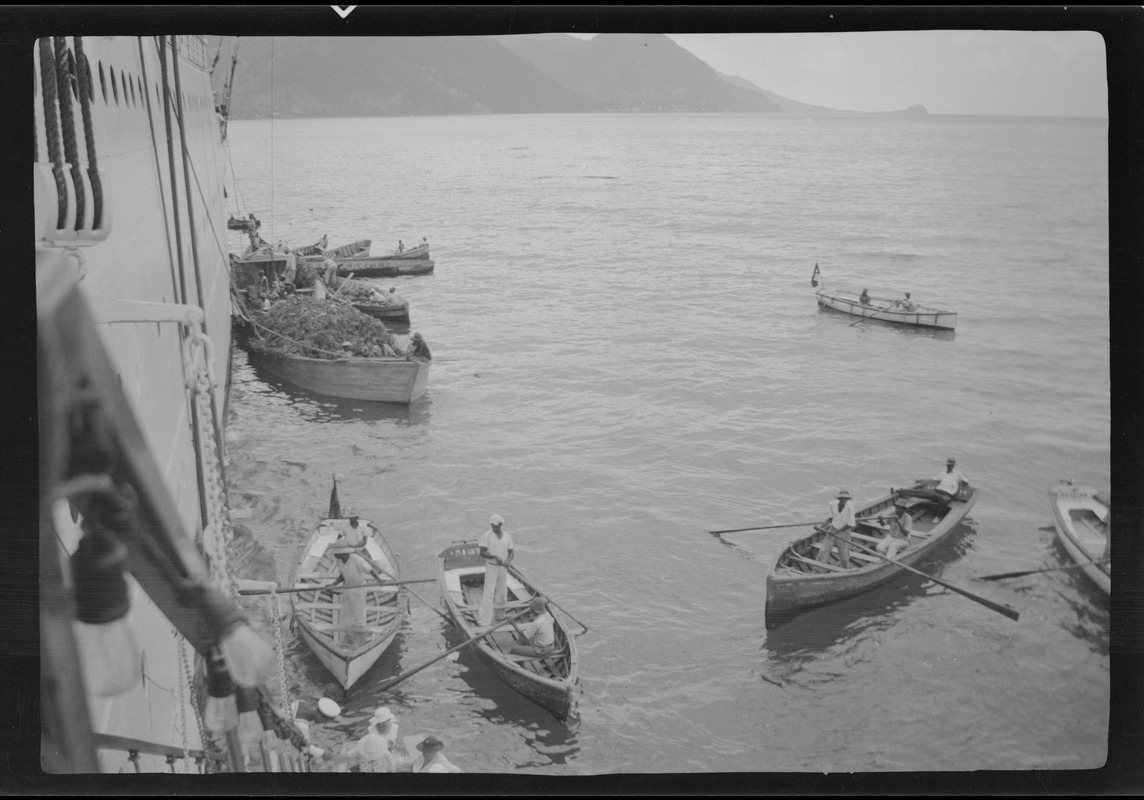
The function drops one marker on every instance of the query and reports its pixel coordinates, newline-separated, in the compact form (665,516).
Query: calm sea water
(628,354)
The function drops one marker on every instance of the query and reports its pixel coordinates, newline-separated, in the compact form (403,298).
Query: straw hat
(496,519)
(372,747)
(431,744)
(843,493)
(381,716)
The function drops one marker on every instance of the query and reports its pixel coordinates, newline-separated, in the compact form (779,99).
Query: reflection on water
(313,407)
(884,325)
(551,738)
(814,632)
(1089,603)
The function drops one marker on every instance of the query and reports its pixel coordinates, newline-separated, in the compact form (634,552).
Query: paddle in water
(998,607)
(1036,571)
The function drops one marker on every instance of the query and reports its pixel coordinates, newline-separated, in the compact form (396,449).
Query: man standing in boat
(353,571)
(838,529)
(497,551)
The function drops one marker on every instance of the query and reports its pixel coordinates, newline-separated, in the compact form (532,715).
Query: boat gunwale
(498,660)
(387,632)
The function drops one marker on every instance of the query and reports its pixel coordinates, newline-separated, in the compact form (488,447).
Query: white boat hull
(879,309)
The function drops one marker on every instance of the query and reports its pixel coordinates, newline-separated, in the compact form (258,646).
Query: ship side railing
(137,747)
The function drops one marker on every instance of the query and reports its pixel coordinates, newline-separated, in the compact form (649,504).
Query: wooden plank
(815,563)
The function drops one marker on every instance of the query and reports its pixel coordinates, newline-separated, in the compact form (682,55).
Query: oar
(867,316)
(347,280)
(764,527)
(527,582)
(332,587)
(376,568)
(389,684)
(998,607)
(1035,571)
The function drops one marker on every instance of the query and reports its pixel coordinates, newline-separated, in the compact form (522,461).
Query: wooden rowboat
(1082,517)
(359,247)
(393,313)
(381,380)
(312,249)
(883,310)
(799,582)
(548,682)
(420,251)
(383,266)
(347,650)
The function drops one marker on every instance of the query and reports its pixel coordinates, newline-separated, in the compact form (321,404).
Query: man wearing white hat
(496,550)
(353,571)
(375,750)
(837,532)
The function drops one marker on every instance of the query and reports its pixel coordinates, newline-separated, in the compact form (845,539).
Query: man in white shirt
(539,635)
(948,484)
(898,531)
(496,549)
(838,530)
(431,758)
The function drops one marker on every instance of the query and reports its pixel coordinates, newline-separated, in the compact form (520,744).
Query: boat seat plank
(815,563)
(865,538)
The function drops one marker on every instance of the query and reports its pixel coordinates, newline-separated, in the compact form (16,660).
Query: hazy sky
(1024,73)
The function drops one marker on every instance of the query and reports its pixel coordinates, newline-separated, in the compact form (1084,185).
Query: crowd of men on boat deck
(837,528)
(906,304)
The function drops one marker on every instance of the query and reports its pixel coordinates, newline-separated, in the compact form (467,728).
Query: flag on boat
(815,276)
(335,505)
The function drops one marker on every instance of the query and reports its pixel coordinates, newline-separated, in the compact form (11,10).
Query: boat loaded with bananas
(547,681)
(355,607)
(332,349)
(800,582)
(1082,517)
(147,661)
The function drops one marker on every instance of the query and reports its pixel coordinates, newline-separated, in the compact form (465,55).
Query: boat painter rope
(998,607)
(1035,571)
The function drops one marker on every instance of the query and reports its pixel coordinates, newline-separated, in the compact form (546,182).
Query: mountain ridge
(502,74)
